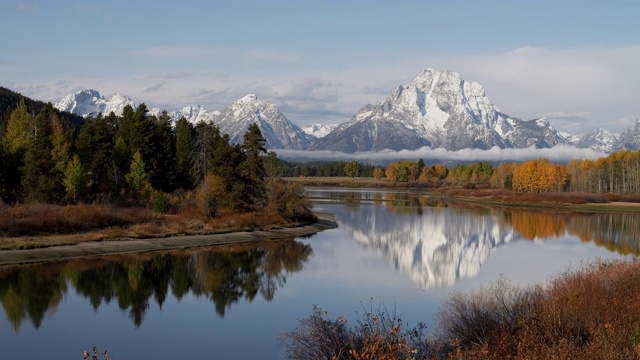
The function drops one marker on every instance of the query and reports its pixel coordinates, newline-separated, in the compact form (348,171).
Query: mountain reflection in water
(223,276)
(436,243)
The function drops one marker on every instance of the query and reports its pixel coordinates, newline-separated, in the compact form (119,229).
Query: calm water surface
(391,249)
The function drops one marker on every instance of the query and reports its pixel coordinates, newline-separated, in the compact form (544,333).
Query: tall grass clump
(590,312)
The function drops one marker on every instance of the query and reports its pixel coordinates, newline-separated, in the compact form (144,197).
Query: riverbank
(558,201)
(134,245)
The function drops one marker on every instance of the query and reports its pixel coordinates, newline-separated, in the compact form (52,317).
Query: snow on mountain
(319,130)
(538,132)
(570,138)
(440,110)
(194,114)
(279,132)
(90,103)
(600,140)
(630,139)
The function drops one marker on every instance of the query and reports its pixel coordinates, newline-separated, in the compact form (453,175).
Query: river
(392,249)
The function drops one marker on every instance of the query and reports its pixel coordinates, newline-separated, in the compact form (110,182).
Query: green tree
(75,179)
(16,142)
(138,178)
(352,169)
(40,181)
(19,130)
(95,147)
(183,155)
(162,167)
(121,161)
(252,168)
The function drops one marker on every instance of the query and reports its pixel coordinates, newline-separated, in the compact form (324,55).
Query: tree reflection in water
(224,275)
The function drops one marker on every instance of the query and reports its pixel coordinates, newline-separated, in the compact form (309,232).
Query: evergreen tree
(162,160)
(16,143)
(252,168)
(140,138)
(75,179)
(61,145)
(41,182)
(184,149)
(121,162)
(226,163)
(352,169)
(206,143)
(95,146)
(19,130)
(138,178)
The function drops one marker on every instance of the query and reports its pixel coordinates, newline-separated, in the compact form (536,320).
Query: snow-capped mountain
(630,139)
(194,114)
(438,109)
(600,140)
(279,132)
(89,102)
(538,132)
(570,138)
(319,130)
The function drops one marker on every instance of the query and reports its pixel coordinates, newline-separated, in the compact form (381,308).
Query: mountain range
(438,109)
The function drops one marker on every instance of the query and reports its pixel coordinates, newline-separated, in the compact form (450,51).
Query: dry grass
(588,313)
(45,219)
(41,225)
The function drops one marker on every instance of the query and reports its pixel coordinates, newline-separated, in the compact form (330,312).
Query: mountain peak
(89,102)
(279,132)
(440,110)
(248,98)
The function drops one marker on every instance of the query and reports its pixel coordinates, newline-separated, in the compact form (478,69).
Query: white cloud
(557,154)
(529,82)
(579,89)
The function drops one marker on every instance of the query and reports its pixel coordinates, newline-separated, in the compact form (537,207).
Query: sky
(575,62)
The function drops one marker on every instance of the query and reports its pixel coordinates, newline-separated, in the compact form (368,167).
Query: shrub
(161,203)
(210,190)
(288,200)
(379,335)
(588,313)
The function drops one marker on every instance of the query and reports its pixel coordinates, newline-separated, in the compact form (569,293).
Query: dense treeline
(132,157)
(616,173)
(325,169)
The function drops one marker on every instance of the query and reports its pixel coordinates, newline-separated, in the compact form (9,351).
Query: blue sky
(576,62)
